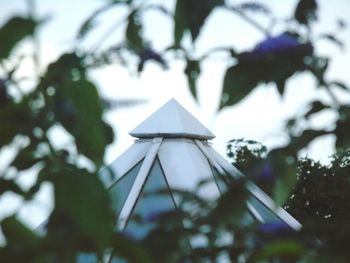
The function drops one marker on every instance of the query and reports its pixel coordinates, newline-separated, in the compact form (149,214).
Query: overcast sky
(259,117)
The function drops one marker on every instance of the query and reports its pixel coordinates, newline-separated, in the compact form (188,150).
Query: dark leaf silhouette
(306,11)
(190,15)
(14,30)
(192,72)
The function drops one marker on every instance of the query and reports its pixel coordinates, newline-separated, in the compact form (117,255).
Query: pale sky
(259,117)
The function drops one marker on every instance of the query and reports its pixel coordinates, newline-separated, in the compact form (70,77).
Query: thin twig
(333,97)
(36,42)
(9,78)
(215,50)
(248,19)
(160,8)
(108,33)
(114,26)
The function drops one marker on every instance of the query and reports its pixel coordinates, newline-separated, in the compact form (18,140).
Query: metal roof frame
(185,161)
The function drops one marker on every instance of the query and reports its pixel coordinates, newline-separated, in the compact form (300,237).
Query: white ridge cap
(172,120)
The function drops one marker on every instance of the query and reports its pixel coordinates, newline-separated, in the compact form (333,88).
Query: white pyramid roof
(175,155)
(172,120)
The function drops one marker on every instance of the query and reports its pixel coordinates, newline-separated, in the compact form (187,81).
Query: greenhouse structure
(172,151)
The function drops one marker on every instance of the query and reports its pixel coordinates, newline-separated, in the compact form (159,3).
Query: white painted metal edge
(125,162)
(269,203)
(226,165)
(222,171)
(252,188)
(138,184)
(212,161)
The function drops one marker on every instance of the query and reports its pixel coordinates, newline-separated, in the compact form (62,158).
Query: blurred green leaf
(307,136)
(13,31)
(26,158)
(148,54)
(333,39)
(130,250)
(273,60)
(238,83)
(280,68)
(284,185)
(287,251)
(82,201)
(316,107)
(43,175)
(255,7)
(120,1)
(231,205)
(61,71)
(305,11)
(342,129)
(4,96)
(284,163)
(191,15)
(192,72)
(90,22)
(80,112)
(170,235)
(15,119)
(8,129)
(87,26)
(17,233)
(10,185)
(22,243)
(280,84)
(318,67)
(341,23)
(242,78)
(284,166)
(179,20)
(134,34)
(341,85)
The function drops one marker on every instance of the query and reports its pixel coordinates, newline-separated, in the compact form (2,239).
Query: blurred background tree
(63,94)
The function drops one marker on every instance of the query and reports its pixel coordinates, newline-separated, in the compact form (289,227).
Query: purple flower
(129,235)
(3,91)
(275,230)
(266,174)
(281,43)
(274,50)
(154,216)
(3,83)
(150,54)
(67,111)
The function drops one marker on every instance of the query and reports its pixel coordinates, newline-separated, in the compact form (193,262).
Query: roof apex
(172,120)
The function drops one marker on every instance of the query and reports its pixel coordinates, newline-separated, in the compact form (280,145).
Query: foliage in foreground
(318,199)
(202,230)
(62,96)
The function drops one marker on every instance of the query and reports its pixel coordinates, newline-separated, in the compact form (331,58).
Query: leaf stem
(248,19)
(32,7)
(108,33)
(332,96)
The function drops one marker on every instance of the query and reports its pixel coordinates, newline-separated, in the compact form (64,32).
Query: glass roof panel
(87,258)
(219,180)
(266,214)
(150,206)
(120,190)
